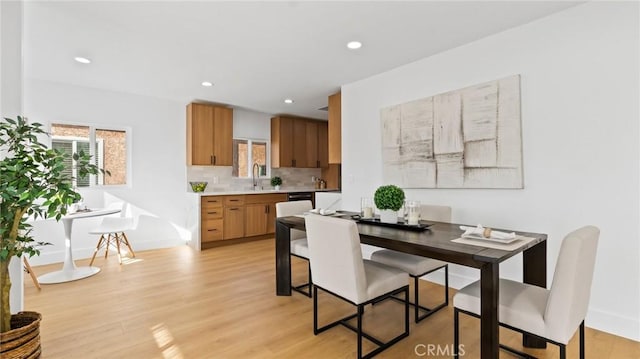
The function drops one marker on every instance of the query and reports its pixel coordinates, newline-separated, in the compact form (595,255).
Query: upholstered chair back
(336,257)
(284,209)
(571,288)
(435,213)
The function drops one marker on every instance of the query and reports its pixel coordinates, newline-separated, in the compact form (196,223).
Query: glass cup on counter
(412,213)
(366,208)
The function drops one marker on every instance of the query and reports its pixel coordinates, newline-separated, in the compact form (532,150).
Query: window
(108,148)
(246,153)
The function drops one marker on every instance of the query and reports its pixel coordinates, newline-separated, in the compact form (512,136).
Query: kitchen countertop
(262,191)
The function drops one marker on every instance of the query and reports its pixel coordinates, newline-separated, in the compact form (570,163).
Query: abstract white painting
(468,138)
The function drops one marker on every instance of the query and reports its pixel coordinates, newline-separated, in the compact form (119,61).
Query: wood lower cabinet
(211,213)
(261,213)
(234,213)
(238,216)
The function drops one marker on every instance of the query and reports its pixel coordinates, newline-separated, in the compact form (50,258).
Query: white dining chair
(418,266)
(299,245)
(112,232)
(552,315)
(339,269)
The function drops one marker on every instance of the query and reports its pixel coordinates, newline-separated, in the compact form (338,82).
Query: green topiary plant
(276,181)
(389,197)
(33,184)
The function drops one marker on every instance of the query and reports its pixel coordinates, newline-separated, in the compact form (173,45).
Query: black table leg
(534,266)
(283,259)
(489,289)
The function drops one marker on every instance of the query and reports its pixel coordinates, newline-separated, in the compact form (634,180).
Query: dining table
(70,271)
(436,241)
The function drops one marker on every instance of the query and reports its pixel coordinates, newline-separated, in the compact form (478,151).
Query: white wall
(11,100)
(157,192)
(580,71)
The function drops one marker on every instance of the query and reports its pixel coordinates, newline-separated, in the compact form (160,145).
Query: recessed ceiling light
(288,101)
(82,60)
(354,45)
(207,84)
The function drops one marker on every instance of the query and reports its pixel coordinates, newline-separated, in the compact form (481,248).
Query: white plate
(482,238)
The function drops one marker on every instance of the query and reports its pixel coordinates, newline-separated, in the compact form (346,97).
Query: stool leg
(126,241)
(97,249)
(27,266)
(109,239)
(118,247)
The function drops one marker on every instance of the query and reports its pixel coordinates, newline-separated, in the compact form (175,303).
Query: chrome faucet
(256,167)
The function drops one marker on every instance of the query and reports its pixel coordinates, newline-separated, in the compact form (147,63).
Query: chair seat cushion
(520,305)
(113,225)
(300,247)
(412,264)
(382,279)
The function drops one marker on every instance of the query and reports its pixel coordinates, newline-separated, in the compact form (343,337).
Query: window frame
(250,142)
(92,140)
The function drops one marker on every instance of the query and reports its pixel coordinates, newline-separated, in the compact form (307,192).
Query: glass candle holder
(366,208)
(413,213)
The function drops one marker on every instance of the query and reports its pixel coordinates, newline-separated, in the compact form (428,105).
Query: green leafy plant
(276,181)
(389,197)
(33,185)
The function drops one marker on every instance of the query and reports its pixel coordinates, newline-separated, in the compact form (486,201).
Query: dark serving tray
(399,225)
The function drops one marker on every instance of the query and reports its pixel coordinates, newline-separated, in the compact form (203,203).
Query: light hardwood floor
(221,303)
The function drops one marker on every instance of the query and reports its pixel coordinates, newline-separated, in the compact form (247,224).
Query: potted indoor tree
(34,184)
(276,182)
(389,199)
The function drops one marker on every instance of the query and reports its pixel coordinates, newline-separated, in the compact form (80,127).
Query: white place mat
(519,242)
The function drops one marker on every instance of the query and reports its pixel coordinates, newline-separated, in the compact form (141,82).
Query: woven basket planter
(24,340)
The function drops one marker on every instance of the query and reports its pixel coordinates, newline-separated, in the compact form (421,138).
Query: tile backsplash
(220,179)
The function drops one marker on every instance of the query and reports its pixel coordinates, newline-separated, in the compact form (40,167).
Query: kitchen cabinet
(298,142)
(335,128)
(209,135)
(261,213)
(323,145)
(234,216)
(311,145)
(211,213)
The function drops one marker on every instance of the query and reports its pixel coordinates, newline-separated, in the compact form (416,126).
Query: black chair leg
(360,307)
(582,340)
(315,310)
(456,333)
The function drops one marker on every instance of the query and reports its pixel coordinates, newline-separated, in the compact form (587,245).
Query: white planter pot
(277,188)
(388,216)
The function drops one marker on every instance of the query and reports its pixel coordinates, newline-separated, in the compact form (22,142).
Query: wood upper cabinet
(323,145)
(209,135)
(335,128)
(298,142)
(311,145)
(281,142)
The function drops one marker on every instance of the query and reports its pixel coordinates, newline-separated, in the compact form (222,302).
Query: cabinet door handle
(213,201)
(234,200)
(212,212)
(211,230)
(318,164)
(211,160)
(214,159)
(234,209)
(266,209)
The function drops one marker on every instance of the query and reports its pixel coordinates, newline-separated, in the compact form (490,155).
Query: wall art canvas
(467,138)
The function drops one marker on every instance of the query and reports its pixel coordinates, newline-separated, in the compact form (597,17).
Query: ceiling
(256,53)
